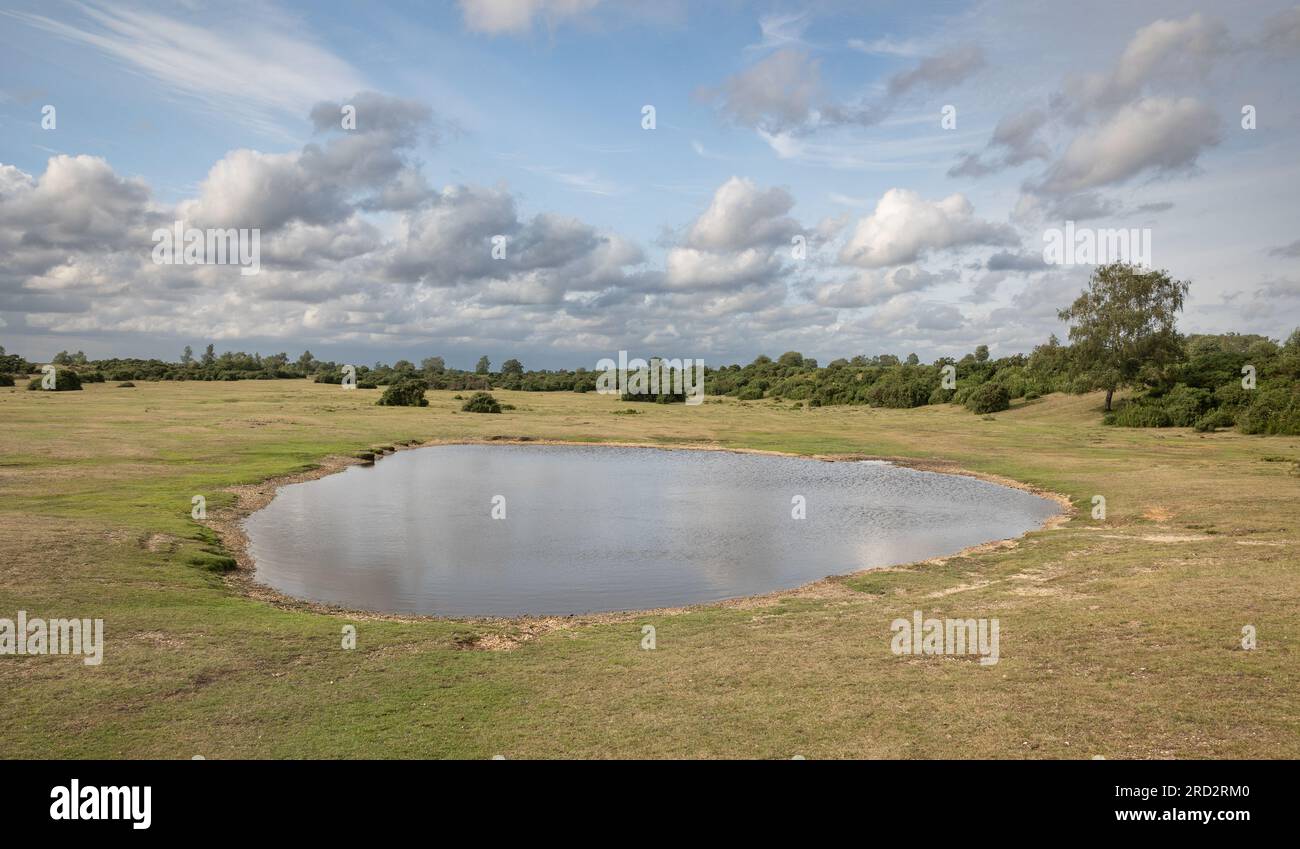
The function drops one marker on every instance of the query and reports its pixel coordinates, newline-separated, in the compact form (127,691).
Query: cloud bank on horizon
(811,178)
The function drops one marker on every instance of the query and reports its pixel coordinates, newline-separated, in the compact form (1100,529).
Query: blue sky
(817,120)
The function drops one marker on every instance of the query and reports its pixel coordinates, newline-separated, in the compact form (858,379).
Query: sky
(559,180)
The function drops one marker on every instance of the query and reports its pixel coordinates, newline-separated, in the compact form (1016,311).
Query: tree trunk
(1109,393)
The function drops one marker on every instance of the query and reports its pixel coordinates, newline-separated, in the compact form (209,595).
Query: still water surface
(596,529)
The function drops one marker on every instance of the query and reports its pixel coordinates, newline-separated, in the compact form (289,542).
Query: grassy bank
(1119,638)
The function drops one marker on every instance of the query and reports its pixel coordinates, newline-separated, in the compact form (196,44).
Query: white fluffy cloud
(689,268)
(737,241)
(1160,51)
(741,215)
(905,226)
(516,16)
(366,168)
(1153,134)
(875,286)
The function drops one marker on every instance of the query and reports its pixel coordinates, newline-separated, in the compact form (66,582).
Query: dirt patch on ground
(1163,538)
(160,543)
(158,639)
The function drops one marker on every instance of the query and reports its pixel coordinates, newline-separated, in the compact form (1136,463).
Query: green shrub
(213,562)
(1274,409)
(65,380)
(1232,395)
(899,391)
(1214,419)
(1186,405)
(988,398)
(6,380)
(1139,412)
(481,402)
(1015,382)
(407,392)
(941,396)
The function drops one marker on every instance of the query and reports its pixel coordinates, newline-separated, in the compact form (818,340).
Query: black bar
(334,797)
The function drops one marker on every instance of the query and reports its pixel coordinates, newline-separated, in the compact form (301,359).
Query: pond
(506,530)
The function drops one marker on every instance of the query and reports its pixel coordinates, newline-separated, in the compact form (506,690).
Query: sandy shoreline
(249,498)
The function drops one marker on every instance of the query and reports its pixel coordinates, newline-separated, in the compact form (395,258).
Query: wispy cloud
(781,31)
(265,73)
(580,181)
(909,49)
(704,152)
(876,155)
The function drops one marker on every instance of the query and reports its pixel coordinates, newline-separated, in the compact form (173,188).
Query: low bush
(65,380)
(1186,405)
(988,398)
(1144,412)
(213,562)
(481,402)
(899,391)
(1213,420)
(1274,409)
(408,392)
(941,396)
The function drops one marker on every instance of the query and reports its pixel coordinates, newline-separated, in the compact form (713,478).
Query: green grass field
(1118,638)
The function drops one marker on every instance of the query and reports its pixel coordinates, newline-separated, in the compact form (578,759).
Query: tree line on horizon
(1122,335)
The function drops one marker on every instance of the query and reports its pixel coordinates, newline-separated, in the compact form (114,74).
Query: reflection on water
(595,529)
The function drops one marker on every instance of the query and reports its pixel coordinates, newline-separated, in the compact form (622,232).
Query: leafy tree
(982,354)
(484,365)
(209,355)
(306,362)
(433,365)
(187,356)
(512,367)
(1122,325)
